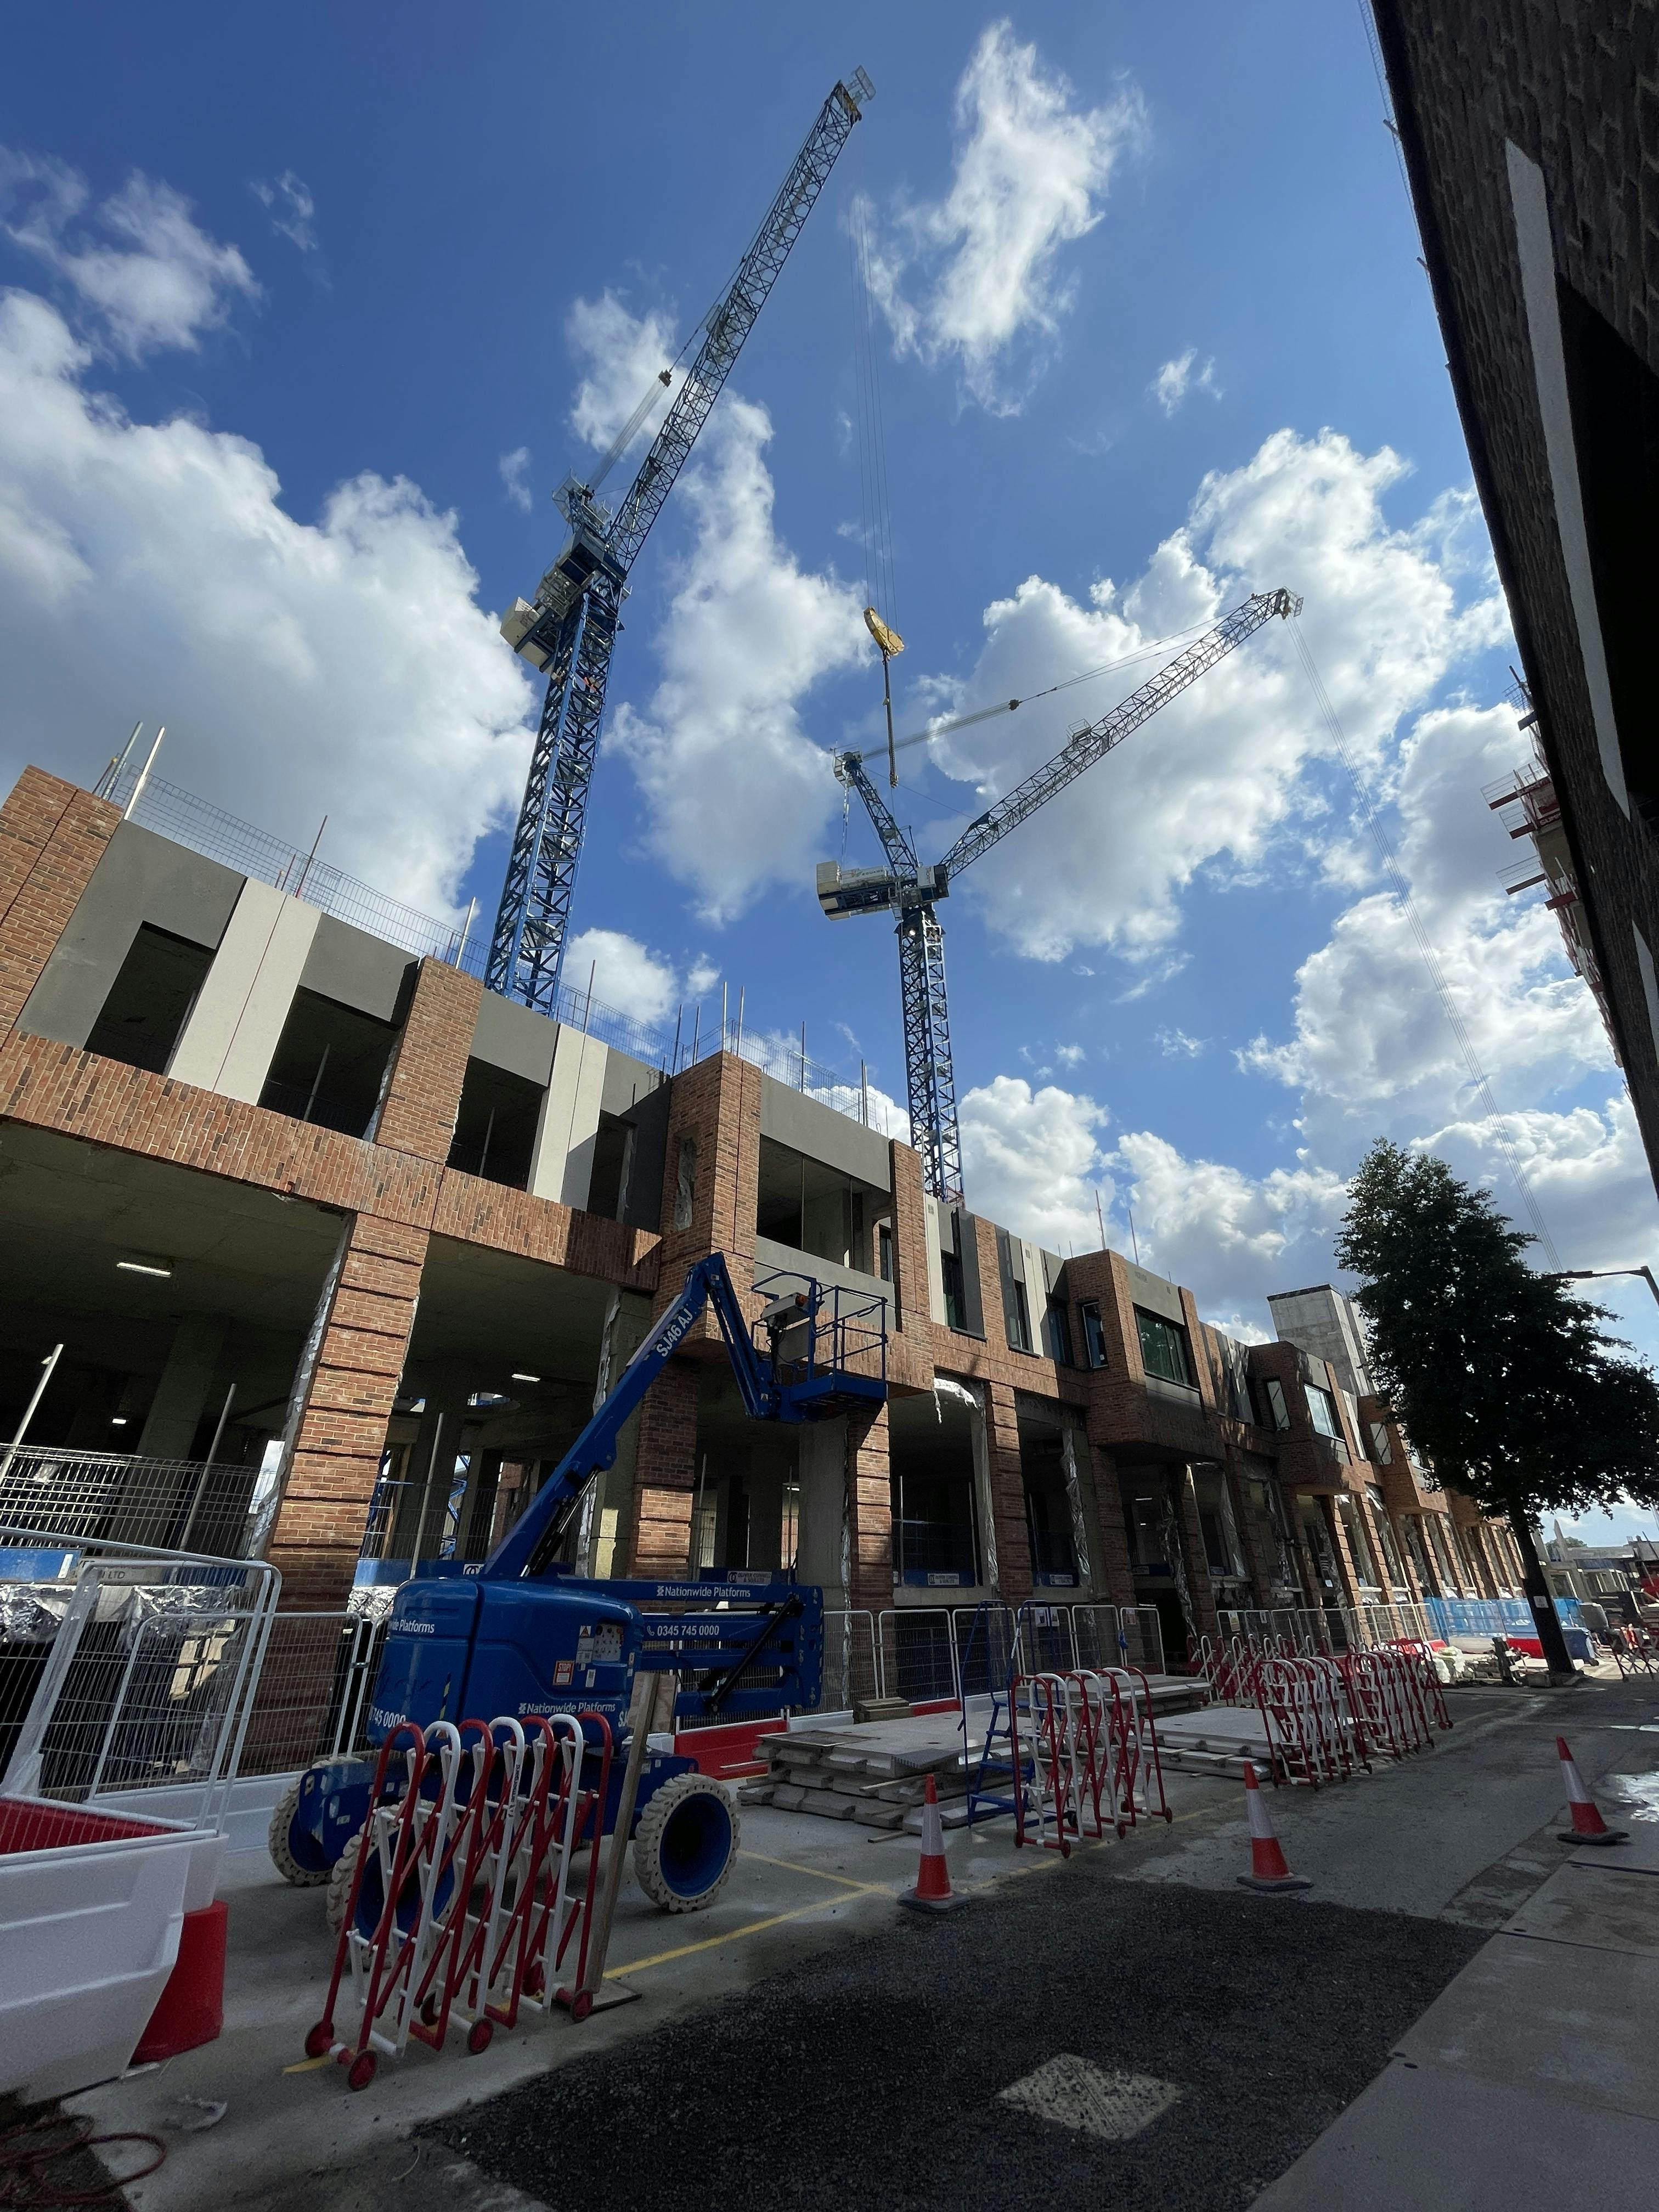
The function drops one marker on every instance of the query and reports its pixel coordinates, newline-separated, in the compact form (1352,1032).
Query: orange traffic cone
(1587,1825)
(1268,1866)
(932,1892)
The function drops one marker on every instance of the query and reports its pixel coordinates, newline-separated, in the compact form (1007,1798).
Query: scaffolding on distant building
(1525,802)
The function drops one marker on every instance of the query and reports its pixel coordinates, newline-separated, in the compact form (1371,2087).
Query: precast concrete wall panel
(232,1035)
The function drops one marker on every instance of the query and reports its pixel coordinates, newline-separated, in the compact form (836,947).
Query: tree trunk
(1557,1657)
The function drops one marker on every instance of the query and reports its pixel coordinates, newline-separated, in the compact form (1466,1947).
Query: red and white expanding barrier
(464,1905)
(1324,1716)
(1090,1757)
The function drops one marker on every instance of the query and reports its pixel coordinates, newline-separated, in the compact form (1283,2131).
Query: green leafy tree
(1502,1380)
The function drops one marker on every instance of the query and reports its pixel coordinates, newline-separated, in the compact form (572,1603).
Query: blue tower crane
(570,630)
(910,890)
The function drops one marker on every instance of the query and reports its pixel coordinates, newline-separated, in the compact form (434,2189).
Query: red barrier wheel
(319,2039)
(581,2004)
(478,2036)
(534,1981)
(361,2072)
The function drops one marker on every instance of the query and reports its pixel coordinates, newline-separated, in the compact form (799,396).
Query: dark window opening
(1614,398)
(884,1250)
(1057,1332)
(495,1127)
(613,1151)
(934,1538)
(814,1207)
(1047,1507)
(1019,1318)
(1274,1390)
(1094,1333)
(1223,1551)
(956,1294)
(150,999)
(1163,1347)
(330,1065)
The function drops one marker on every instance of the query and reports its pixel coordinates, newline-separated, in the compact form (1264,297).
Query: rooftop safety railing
(162,807)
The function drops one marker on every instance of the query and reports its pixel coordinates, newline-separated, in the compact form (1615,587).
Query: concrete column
(181,1395)
(822,1551)
(1005,1481)
(1115,1573)
(562,1164)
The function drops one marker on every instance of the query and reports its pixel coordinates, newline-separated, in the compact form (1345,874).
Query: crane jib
(571,628)
(912,891)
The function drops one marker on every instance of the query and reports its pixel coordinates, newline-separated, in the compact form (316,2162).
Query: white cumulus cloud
(736,795)
(515,477)
(1031,1160)
(1182,375)
(138,260)
(619,354)
(1218,778)
(340,666)
(630,976)
(976,277)
(286,200)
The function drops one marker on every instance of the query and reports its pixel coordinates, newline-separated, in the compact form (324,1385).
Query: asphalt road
(874,2072)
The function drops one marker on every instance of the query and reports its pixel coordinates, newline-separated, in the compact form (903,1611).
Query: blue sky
(309,314)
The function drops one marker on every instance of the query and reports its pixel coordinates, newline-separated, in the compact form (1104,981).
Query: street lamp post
(1588,1274)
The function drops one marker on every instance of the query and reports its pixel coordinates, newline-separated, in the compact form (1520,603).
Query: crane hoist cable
(875,504)
(943,728)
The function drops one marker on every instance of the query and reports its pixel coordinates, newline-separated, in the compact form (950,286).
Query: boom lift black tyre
(686,1843)
(300,1872)
(339,1883)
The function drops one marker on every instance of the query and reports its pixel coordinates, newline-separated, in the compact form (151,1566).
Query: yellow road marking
(310,2065)
(818,1873)
(735,1935)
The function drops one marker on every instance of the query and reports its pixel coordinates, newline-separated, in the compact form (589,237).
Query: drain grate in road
(1094,2099)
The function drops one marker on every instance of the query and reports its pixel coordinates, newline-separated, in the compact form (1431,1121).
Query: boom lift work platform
(527,1634)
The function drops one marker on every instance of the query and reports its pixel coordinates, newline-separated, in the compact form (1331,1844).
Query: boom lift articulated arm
(911,891)
(793,1380)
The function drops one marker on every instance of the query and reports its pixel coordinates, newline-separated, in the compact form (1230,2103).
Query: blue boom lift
(526,1634)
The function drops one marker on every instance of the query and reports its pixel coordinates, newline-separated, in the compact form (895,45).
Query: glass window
(1385,1529)
(1274,1390)
(1223,1551)
(1359,1549)
(1018,1318)
(956,1299)
(1321,1412)
(1094,1333)
(1381,1449)
(1163,1347)
(1057,1332)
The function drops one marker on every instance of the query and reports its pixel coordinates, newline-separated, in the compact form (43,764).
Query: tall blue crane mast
(911,891)
(570,628)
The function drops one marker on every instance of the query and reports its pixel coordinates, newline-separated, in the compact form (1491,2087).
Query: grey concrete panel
(968,1231)
(1553,2018)
(1155,1293)
(514,1038)
(1639,1855)
(642,1200)
(356,970)
(627,1081)
(1423,2140)
(141,879)
(770,1257)
(1610,1910)
(807,1126)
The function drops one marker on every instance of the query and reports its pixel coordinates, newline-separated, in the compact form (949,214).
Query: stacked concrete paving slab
(877,1774)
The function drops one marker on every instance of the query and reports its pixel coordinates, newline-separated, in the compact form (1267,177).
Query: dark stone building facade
(1530,132)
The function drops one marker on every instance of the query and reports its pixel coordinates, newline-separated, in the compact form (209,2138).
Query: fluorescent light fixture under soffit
(516,1377)
(144,1263)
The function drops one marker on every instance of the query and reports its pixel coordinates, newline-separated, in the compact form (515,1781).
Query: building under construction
(323,1250)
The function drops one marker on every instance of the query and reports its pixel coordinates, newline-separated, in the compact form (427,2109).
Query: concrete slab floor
(801,1884)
